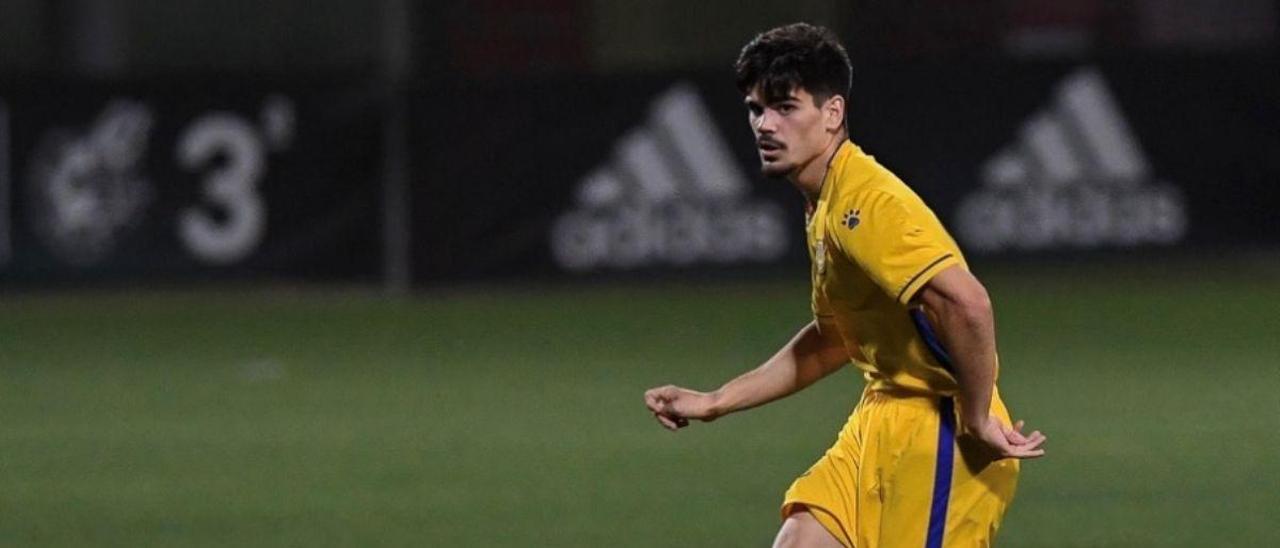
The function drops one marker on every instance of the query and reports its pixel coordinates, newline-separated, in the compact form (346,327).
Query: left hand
(1005,441)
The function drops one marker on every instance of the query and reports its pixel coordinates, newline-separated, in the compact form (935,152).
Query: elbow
(956,297)
(975,306)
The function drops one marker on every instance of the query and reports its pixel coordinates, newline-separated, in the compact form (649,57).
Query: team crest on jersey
(851,218)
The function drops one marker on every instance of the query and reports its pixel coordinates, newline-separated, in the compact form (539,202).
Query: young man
(929,456)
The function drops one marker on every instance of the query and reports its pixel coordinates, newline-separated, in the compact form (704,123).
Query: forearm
(968,331)
(808,357)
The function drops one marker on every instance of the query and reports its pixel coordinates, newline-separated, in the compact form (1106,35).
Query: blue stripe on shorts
(942,474)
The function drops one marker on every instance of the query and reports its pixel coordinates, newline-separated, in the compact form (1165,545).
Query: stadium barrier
(603,177)
(586,176)
(185,180)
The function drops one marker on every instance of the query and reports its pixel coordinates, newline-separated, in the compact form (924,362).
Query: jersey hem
(825,517)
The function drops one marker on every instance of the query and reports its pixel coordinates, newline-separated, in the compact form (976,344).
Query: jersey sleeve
(899,248)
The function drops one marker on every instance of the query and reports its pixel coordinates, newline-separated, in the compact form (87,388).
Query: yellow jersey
(873,244)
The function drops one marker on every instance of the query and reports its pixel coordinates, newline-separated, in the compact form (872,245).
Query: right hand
(673,406)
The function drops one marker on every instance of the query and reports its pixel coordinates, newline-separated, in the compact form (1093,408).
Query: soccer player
(929,457)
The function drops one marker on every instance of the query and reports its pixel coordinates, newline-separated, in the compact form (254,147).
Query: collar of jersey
(835,168)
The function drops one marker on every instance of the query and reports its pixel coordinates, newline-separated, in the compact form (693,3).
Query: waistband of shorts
(886,393)
(901,395)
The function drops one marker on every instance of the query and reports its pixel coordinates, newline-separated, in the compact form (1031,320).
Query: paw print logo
(851,218)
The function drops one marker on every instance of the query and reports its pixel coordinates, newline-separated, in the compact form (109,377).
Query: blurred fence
(579,176)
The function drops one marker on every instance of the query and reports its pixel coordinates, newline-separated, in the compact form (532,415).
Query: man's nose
(766,123)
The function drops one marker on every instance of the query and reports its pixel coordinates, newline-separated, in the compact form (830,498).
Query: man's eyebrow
(790,99)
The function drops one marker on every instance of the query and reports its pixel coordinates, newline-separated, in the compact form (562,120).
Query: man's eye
(755,110)
(785,109)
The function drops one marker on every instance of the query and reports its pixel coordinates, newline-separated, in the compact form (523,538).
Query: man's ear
(833,113)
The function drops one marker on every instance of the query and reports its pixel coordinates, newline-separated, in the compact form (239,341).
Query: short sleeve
(899,248)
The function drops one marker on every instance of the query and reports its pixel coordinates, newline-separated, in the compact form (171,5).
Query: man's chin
(775,170)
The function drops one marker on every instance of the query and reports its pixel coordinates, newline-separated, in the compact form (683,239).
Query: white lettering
(232,228)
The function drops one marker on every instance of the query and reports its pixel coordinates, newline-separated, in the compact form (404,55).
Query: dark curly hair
(796,55)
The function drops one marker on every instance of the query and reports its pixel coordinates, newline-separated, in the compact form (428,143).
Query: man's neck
(808,179)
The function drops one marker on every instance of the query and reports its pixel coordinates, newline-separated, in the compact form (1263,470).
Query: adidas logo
(672,194)
(1075,178)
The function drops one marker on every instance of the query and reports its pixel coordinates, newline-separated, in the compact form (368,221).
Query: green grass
(514,417)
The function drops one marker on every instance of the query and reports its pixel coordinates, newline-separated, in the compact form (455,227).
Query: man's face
(789,132)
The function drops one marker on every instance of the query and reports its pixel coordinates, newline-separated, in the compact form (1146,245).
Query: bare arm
(811,355)
(962,308)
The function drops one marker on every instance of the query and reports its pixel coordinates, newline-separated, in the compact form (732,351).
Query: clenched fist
(673,406)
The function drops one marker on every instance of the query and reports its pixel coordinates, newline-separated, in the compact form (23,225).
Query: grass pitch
(514,417)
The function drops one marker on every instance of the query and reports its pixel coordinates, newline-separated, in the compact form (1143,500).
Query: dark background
(400,357)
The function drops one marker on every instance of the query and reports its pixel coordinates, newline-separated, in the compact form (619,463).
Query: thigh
(982,489)
(802,529)
(900,458)
(828,490)
(940,490)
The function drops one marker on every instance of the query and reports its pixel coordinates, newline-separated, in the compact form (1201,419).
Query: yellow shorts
(896,476)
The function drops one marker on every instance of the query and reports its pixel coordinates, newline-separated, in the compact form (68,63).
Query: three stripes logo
(1075,178)
(671,195)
